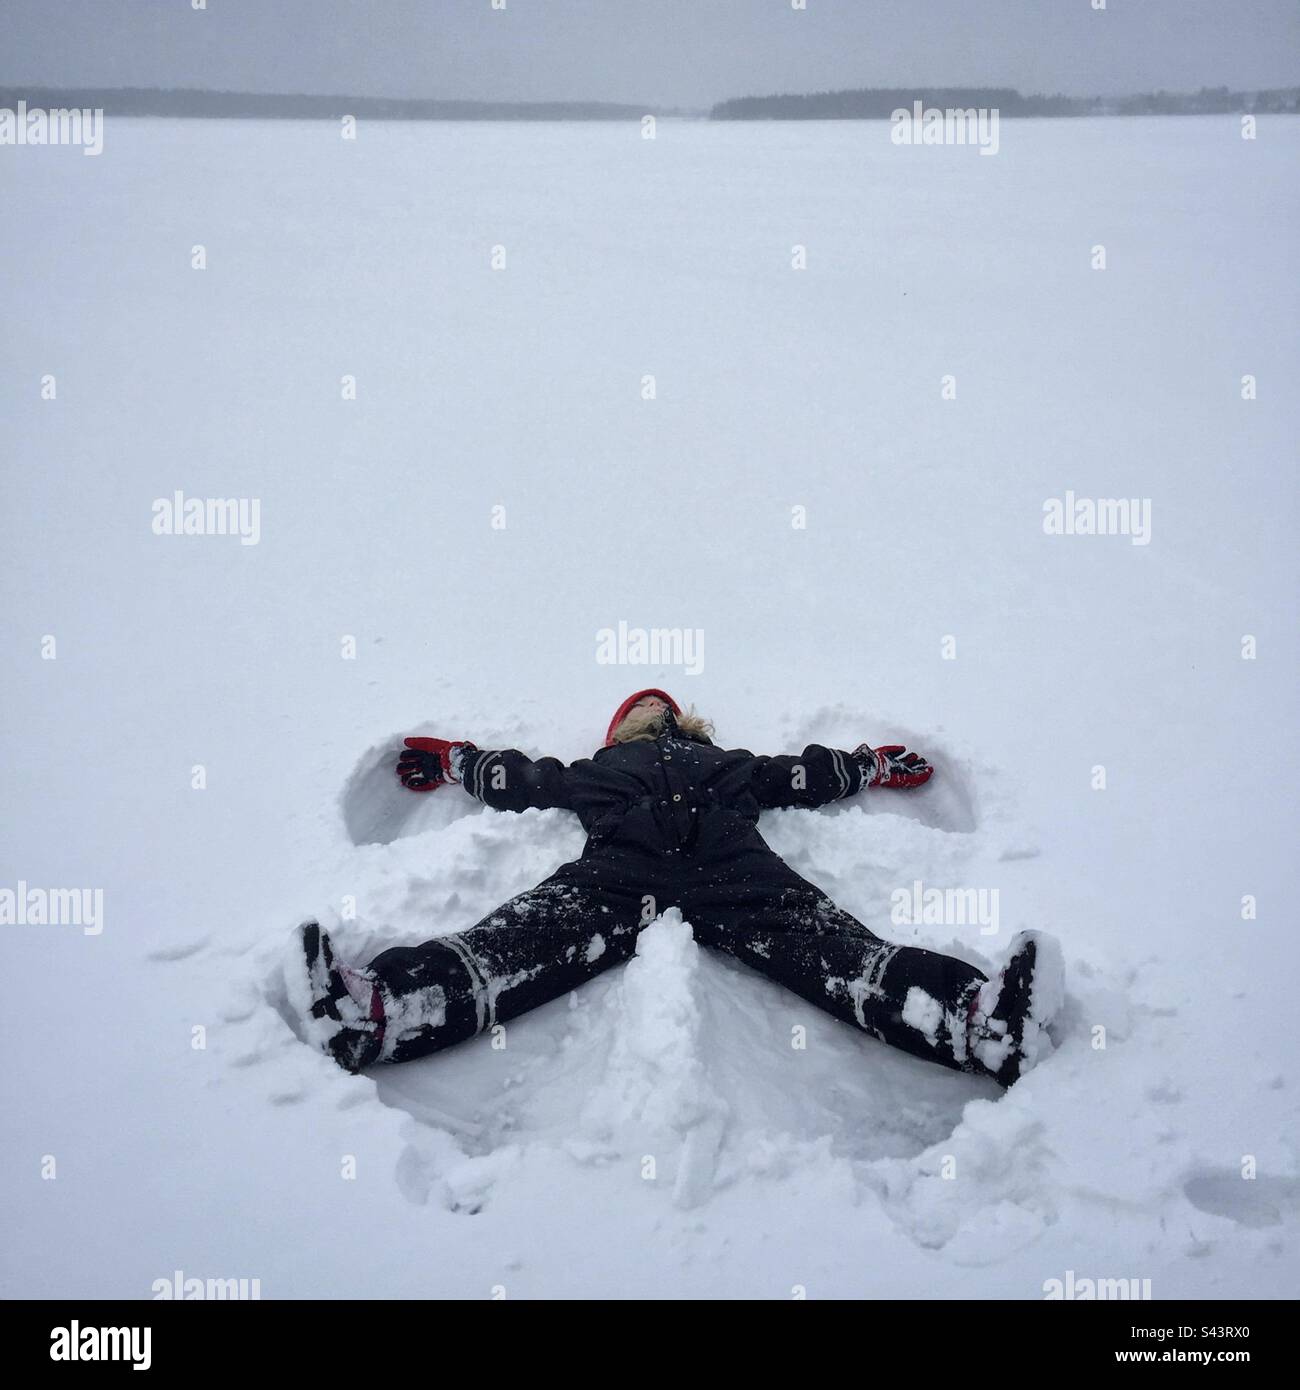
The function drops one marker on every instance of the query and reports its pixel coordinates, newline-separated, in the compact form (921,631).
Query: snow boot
(344,1006)
(1007,1031)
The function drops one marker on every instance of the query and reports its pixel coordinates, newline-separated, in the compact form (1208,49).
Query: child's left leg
(931,1005)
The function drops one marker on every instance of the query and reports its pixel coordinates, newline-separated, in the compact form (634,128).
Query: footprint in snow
(181,950)
(1256,1202)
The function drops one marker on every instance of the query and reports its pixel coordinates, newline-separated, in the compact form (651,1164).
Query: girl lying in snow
(671,820)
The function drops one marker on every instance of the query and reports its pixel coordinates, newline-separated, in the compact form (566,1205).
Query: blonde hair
(641,722)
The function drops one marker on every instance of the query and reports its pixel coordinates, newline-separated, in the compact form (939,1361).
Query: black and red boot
(1009,1016)
(343,1006)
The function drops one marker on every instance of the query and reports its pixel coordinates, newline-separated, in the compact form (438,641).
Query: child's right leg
(532,949)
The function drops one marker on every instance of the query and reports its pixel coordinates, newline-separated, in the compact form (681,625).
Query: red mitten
(429,762)
(893,766)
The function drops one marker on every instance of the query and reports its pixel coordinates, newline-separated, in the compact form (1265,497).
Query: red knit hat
(621,712)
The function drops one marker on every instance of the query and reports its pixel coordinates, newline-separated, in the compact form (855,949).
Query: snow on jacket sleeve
(812,778)
(509,780)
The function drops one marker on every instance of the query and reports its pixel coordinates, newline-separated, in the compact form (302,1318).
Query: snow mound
(656,1095)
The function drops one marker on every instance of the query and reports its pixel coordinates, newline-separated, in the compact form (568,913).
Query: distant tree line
(156,101)
(1210,100)
(850,104)
(878,103)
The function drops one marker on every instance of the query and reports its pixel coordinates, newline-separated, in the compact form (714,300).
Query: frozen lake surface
(438,554)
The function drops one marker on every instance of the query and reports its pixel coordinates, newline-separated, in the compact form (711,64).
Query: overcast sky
(670,52)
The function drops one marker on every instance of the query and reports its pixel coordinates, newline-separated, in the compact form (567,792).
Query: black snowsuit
(671,822)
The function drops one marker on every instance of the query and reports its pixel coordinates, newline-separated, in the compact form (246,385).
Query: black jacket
(673,795)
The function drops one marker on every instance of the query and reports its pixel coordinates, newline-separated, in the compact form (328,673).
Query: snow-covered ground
(839,1169)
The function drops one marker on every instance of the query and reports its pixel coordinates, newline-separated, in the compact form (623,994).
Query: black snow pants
(747,902)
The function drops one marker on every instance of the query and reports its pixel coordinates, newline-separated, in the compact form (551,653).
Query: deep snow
(839,1168)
